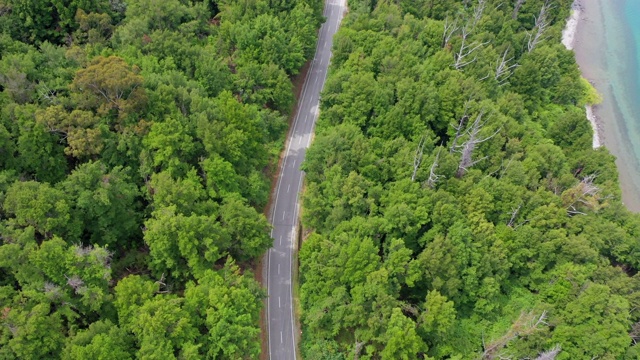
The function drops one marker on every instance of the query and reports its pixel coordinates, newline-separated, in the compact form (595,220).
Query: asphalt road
(284,214)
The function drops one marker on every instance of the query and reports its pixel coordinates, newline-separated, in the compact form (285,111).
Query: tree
(541,24)
(221,177)
(265,41)
(40,154)
(402,341)
(80,129)
(212,72)
(93,28)
(73,274)
(17,74)
(181,245)
(165,15)
(7,149)
(39,205)
(51,19)
(105,203)
(101,341)
(109,86)
(36,17)
(170,146)
(234,131)
(248,229)
(594,324)
(186,194)
(163,329)
(37,332)
(228,305)
(438,318)
(263,84)
(131,293)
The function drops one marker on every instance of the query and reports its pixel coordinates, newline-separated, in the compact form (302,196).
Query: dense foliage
(457,209)
(136,143)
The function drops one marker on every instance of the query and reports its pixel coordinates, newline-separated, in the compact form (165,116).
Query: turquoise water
(630,79)
(610,56)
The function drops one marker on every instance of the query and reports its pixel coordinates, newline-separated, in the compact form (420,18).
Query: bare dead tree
(81,250)
(103,256)
(540,320)
(47,94)
(52,290)
(501,169)
(433,177)
(17,85)
(460,127)
(516,9)
(551,354)
(162,284)
(634,334)
(505,168)
(13,328)
(467,149)
(4,9)
(408,308)
(449,29)
(588,187)
(357,349)
(541,24)
(477,13)
(525,325)
(504,70)
(75,282)
(514,214)
(417,158)
(585,195)
(463,56)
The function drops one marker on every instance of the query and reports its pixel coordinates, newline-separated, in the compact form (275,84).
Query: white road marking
(278,269)
(280,243)
(280,337)
(288,187)
(283,214)
(279,304)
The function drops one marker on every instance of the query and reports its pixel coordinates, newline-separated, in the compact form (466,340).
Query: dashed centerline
(302,128)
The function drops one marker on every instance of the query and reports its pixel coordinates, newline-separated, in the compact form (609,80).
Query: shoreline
(569,34)
(595,41)
(596,125)
(571,28)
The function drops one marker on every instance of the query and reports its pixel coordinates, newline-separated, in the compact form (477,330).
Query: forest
(138,140)
(454,205)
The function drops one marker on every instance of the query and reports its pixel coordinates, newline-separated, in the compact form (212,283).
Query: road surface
(284,214)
